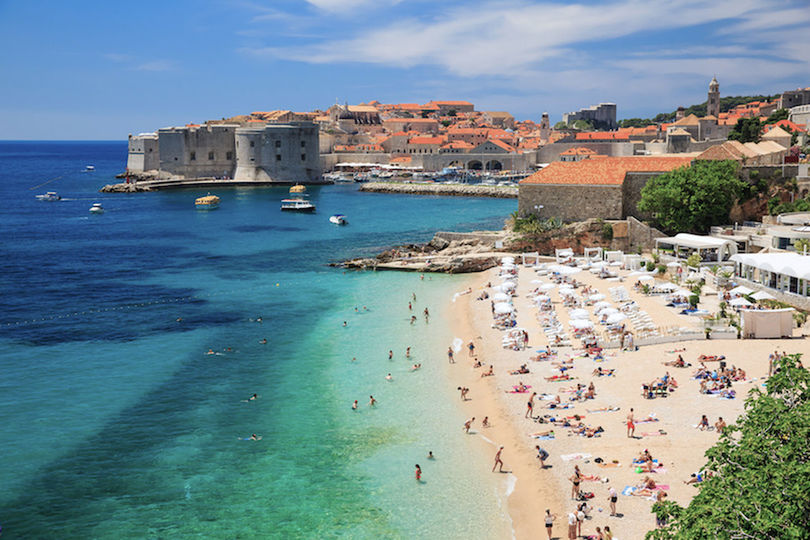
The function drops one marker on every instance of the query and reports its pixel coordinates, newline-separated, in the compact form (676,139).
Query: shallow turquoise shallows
(117,423)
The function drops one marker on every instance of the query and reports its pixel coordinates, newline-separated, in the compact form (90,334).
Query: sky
(88,69)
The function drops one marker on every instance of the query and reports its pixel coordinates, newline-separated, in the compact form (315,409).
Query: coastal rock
(462,190)
(124,188)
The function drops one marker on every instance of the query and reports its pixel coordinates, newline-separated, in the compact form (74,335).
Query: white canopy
(601,305)
(740,302)
(740,291)
(673,264)
(581,324)
(542,298)
(596,297)
(789,264)
(666,286)
(547,286)
(567,291)
(646,277)
(507,285)
(508,260)
(501,297)
(762,295)
(607,311)
(578,314)
(616,318)
(502,308)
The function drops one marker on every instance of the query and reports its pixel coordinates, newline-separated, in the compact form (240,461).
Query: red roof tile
(605,171)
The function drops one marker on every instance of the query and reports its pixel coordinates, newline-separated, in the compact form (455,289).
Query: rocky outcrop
(461,190)
(125,188)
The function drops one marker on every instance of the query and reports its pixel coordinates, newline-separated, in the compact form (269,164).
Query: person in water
(418,473)
(354,405)
(430,455)
(389,377)
(264,341)
(253,397)
(372,402)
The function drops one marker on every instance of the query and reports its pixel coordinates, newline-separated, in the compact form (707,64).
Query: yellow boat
(209,202)
(297,188)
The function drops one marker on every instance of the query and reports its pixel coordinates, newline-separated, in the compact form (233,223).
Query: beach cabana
(767,323)
(564,255)
(646,277)
(709,248)
(601,305)
(740,291)
(547,286)
(740,302)
(593,254)
(596,297)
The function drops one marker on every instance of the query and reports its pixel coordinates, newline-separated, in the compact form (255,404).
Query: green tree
(583,125)
(777,115)
(451,112)
(759,481)
(746,130)
(692,199)
(560,125)
(801,244)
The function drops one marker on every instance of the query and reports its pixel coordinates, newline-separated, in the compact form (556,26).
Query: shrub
(693,300)
(607,231)
(662,269)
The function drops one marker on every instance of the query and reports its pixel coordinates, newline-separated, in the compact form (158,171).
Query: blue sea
(117,423)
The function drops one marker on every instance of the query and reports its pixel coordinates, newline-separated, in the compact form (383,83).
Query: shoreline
(458,190)
(530,490)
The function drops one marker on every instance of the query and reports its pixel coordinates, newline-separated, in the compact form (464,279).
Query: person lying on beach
(599,372)
(559,378)
(696,478)
(477,364)
(521,371)
(679,362)
(711,358)
(589,432)
(549,433)
(489,373)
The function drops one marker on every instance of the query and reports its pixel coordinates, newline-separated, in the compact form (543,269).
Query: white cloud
(155,65)
(347,5)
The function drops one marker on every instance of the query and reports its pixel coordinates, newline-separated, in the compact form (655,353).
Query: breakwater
(460,190)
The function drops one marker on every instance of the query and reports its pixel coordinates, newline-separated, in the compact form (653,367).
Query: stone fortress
(267,153)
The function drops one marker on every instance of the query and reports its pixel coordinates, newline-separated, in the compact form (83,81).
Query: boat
(97,208)
(297,205)
(298,188)
(209,202)
(49,196)
(338,219)
(89,168)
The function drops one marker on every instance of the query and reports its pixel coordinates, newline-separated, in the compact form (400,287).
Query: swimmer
(179,319)
(410,307)
(365,308)
(430,455)
(408,352)
(427,314)
(389,377)
(253,397)
(415,367)
(413,319)
(354,405)
(263,342)
(254,437)
(356,310)
(229,349)
(258,320)
(372,402)
(210,351)
(390,355)
(414,296)
(354,359)
(345,324)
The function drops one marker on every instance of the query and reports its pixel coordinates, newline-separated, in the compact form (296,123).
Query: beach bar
(786,273)
(683,245)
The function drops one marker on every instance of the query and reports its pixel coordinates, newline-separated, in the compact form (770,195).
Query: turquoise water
(116,423)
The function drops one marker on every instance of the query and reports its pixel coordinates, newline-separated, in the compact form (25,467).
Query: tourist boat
(89,168)
(49,196)
(298,189)
(297,205)
(338,219)
(209,202)
(97,208)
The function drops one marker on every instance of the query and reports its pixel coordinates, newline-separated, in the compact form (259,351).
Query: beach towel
(517,390)
(609,465)
(646,420)
(628,491)
(658,433)
(572,457)
(607,409)
(657,470)
(543,437)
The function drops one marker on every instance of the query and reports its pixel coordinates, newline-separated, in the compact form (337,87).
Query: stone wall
(199,151)
(631,193)
(143,153)
(571,202)
(283,153)
(328,161)
(551,152)
(511,162)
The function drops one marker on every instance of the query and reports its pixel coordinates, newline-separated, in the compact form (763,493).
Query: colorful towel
(572,457)
(543,437)
(628,491)
(608,409)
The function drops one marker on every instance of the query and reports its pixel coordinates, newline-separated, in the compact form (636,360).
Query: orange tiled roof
(605,171)
(464,145)
(501,144)
(785,124)
(403,159)
(426,140)
(601,136)
(450,102)
(578,151)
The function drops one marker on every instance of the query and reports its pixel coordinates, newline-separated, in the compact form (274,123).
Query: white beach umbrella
(616,318)
(508,285)
(578,314)
(646,277)
(501,297)
(666,286)
(601,305)
(567,291)
(762,295)
(680,292)
(607,311)
(503,308)
(740,302)
(547,286)
(739,291)
(616,263)
(581,324)
(541,298)
(596,297)
(507,260)
(537,281)
(673,264)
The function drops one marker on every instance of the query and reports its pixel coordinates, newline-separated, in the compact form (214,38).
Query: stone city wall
(571,203)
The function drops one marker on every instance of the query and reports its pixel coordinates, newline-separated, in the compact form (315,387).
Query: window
(278,157)
(193,156)
(229,155)
(278,144)
(252,144)
(303,144)
(210,155)
(303,157)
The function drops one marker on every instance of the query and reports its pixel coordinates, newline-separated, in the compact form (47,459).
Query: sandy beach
(673,440)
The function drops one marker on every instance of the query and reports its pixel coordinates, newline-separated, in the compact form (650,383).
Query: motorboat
(338,219)
(298,189)
(209,202)
(49,196)
(97,208)
(89,168)
(297,205)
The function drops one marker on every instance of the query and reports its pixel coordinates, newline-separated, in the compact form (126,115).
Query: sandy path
(681,450)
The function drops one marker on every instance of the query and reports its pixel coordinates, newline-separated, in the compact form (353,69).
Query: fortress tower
(713,103)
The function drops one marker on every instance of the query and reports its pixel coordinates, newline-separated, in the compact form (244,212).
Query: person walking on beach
(498,460)
(575,478)
(549,522)
(530,406)
(450,355)
(471,348)
(468,423)
(463,390)
(572,526)
(418,473)
(612,498)
(631,426)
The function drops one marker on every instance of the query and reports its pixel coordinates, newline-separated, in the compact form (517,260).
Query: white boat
(338,219)
(49,196)
(97,208)
(297,205)
(89,168)
(209,202)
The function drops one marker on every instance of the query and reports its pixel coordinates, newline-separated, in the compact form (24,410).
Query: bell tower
(713,103)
